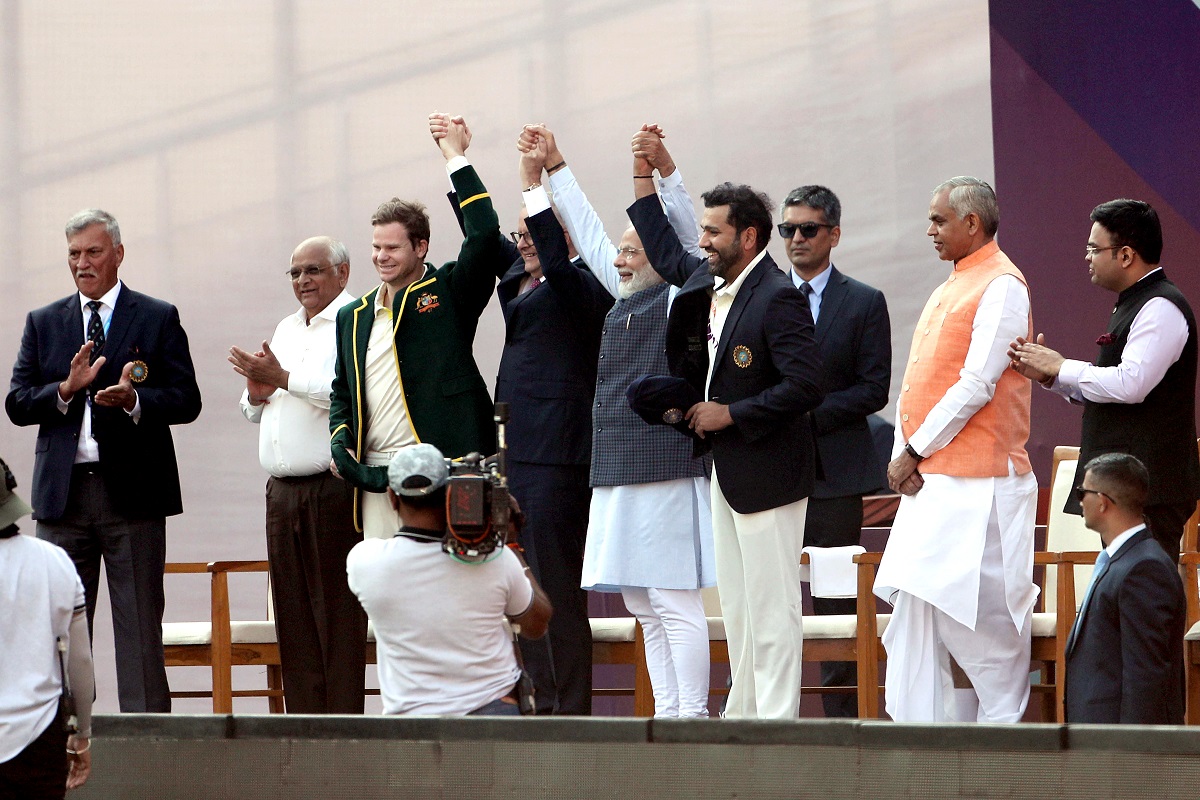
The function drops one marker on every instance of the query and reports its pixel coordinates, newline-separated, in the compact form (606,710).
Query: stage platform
(294,757)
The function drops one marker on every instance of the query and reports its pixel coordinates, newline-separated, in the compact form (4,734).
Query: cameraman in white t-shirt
(443,645)
(41,610)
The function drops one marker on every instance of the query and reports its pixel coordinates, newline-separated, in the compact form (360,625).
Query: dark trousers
(835,522)
(1166,523)
(555,500)
(322,627)
(39,772)
(134,552)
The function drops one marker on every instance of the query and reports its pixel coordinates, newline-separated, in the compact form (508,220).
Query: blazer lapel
(1095,585)
(735,310)
(115,341)
(72,320)
(831,301)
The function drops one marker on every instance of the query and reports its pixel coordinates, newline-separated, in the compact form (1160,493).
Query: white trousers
(380,520)
(920,639)
(676,633)
(758,574)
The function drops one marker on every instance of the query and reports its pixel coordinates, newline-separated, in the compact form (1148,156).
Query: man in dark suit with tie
(554,310)
(745,342)
(1125,651)
(104,373)
(855,338)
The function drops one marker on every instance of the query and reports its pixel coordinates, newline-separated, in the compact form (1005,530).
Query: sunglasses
(1080,492)
(807,229)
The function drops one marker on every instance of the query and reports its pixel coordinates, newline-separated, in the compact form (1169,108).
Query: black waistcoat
(1160,430)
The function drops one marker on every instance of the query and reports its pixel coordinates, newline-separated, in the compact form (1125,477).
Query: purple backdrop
(1091,100)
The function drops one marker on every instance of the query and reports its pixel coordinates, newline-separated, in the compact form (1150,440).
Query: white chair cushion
(613,629)
(834,626)
(257,632)
(1193,634)
(186,633)
(194,633)
(1045,624)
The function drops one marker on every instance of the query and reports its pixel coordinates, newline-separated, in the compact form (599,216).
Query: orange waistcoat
(998,431)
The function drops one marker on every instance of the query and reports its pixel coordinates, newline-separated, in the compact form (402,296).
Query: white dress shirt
(1155,342)
(293,439)
(587,231)
(817,285)
(88,451)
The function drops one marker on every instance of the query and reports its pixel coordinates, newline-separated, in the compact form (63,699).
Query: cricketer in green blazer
(434,319)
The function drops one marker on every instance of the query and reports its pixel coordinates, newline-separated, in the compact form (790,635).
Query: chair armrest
(236,566)
(182,567)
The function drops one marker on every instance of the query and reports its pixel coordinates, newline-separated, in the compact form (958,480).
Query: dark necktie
(95,329)
(807,290)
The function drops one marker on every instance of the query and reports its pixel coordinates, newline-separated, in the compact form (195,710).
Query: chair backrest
(1066,532)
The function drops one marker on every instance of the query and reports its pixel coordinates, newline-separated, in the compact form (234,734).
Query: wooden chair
(826,638)
(222,643)
(1067,561)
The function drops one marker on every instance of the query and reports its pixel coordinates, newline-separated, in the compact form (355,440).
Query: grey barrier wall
(293,757)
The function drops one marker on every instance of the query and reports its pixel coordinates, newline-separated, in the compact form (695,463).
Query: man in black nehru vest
(1140,395)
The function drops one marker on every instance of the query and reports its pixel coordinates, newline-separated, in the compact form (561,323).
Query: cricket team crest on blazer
(426,302)
(139,372)
(742,357)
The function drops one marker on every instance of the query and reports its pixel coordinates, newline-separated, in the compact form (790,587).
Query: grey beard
(639,282)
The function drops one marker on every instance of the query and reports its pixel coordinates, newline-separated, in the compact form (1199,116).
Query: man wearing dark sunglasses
(855,338)
(1140,395)
(1125,651)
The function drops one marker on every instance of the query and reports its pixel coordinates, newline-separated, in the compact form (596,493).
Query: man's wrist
(912,452)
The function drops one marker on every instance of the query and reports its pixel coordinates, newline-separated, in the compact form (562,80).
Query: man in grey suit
(855,339)
(1125,651)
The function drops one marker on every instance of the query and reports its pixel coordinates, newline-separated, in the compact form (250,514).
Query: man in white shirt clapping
(310,523)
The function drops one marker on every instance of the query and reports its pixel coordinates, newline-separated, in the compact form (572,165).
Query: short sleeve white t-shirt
(441,640)
(39,592)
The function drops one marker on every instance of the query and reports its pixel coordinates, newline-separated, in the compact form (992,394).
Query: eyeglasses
(629,252)
(1091,251)
(307,272)
(807,229)
(1080,492)
(517,237)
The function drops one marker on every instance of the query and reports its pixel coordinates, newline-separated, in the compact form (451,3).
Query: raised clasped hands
(451,134)
(647,144)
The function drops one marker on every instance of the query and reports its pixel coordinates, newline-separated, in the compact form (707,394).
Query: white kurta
(937,540)
(938,550)
(654,535)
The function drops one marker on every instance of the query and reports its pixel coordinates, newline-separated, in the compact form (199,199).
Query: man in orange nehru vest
(958,567)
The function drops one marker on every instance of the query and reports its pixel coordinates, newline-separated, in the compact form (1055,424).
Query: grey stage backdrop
(222,133)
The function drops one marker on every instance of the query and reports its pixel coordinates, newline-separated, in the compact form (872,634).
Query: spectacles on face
(807,229)
(308,272)
(629,252)
(517,237)
(1091,251)
(1081,492)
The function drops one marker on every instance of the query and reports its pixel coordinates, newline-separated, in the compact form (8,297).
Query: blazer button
(906,387)
(904,417)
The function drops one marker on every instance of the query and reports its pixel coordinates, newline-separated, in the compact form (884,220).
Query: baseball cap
(12,508)
(417,470)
